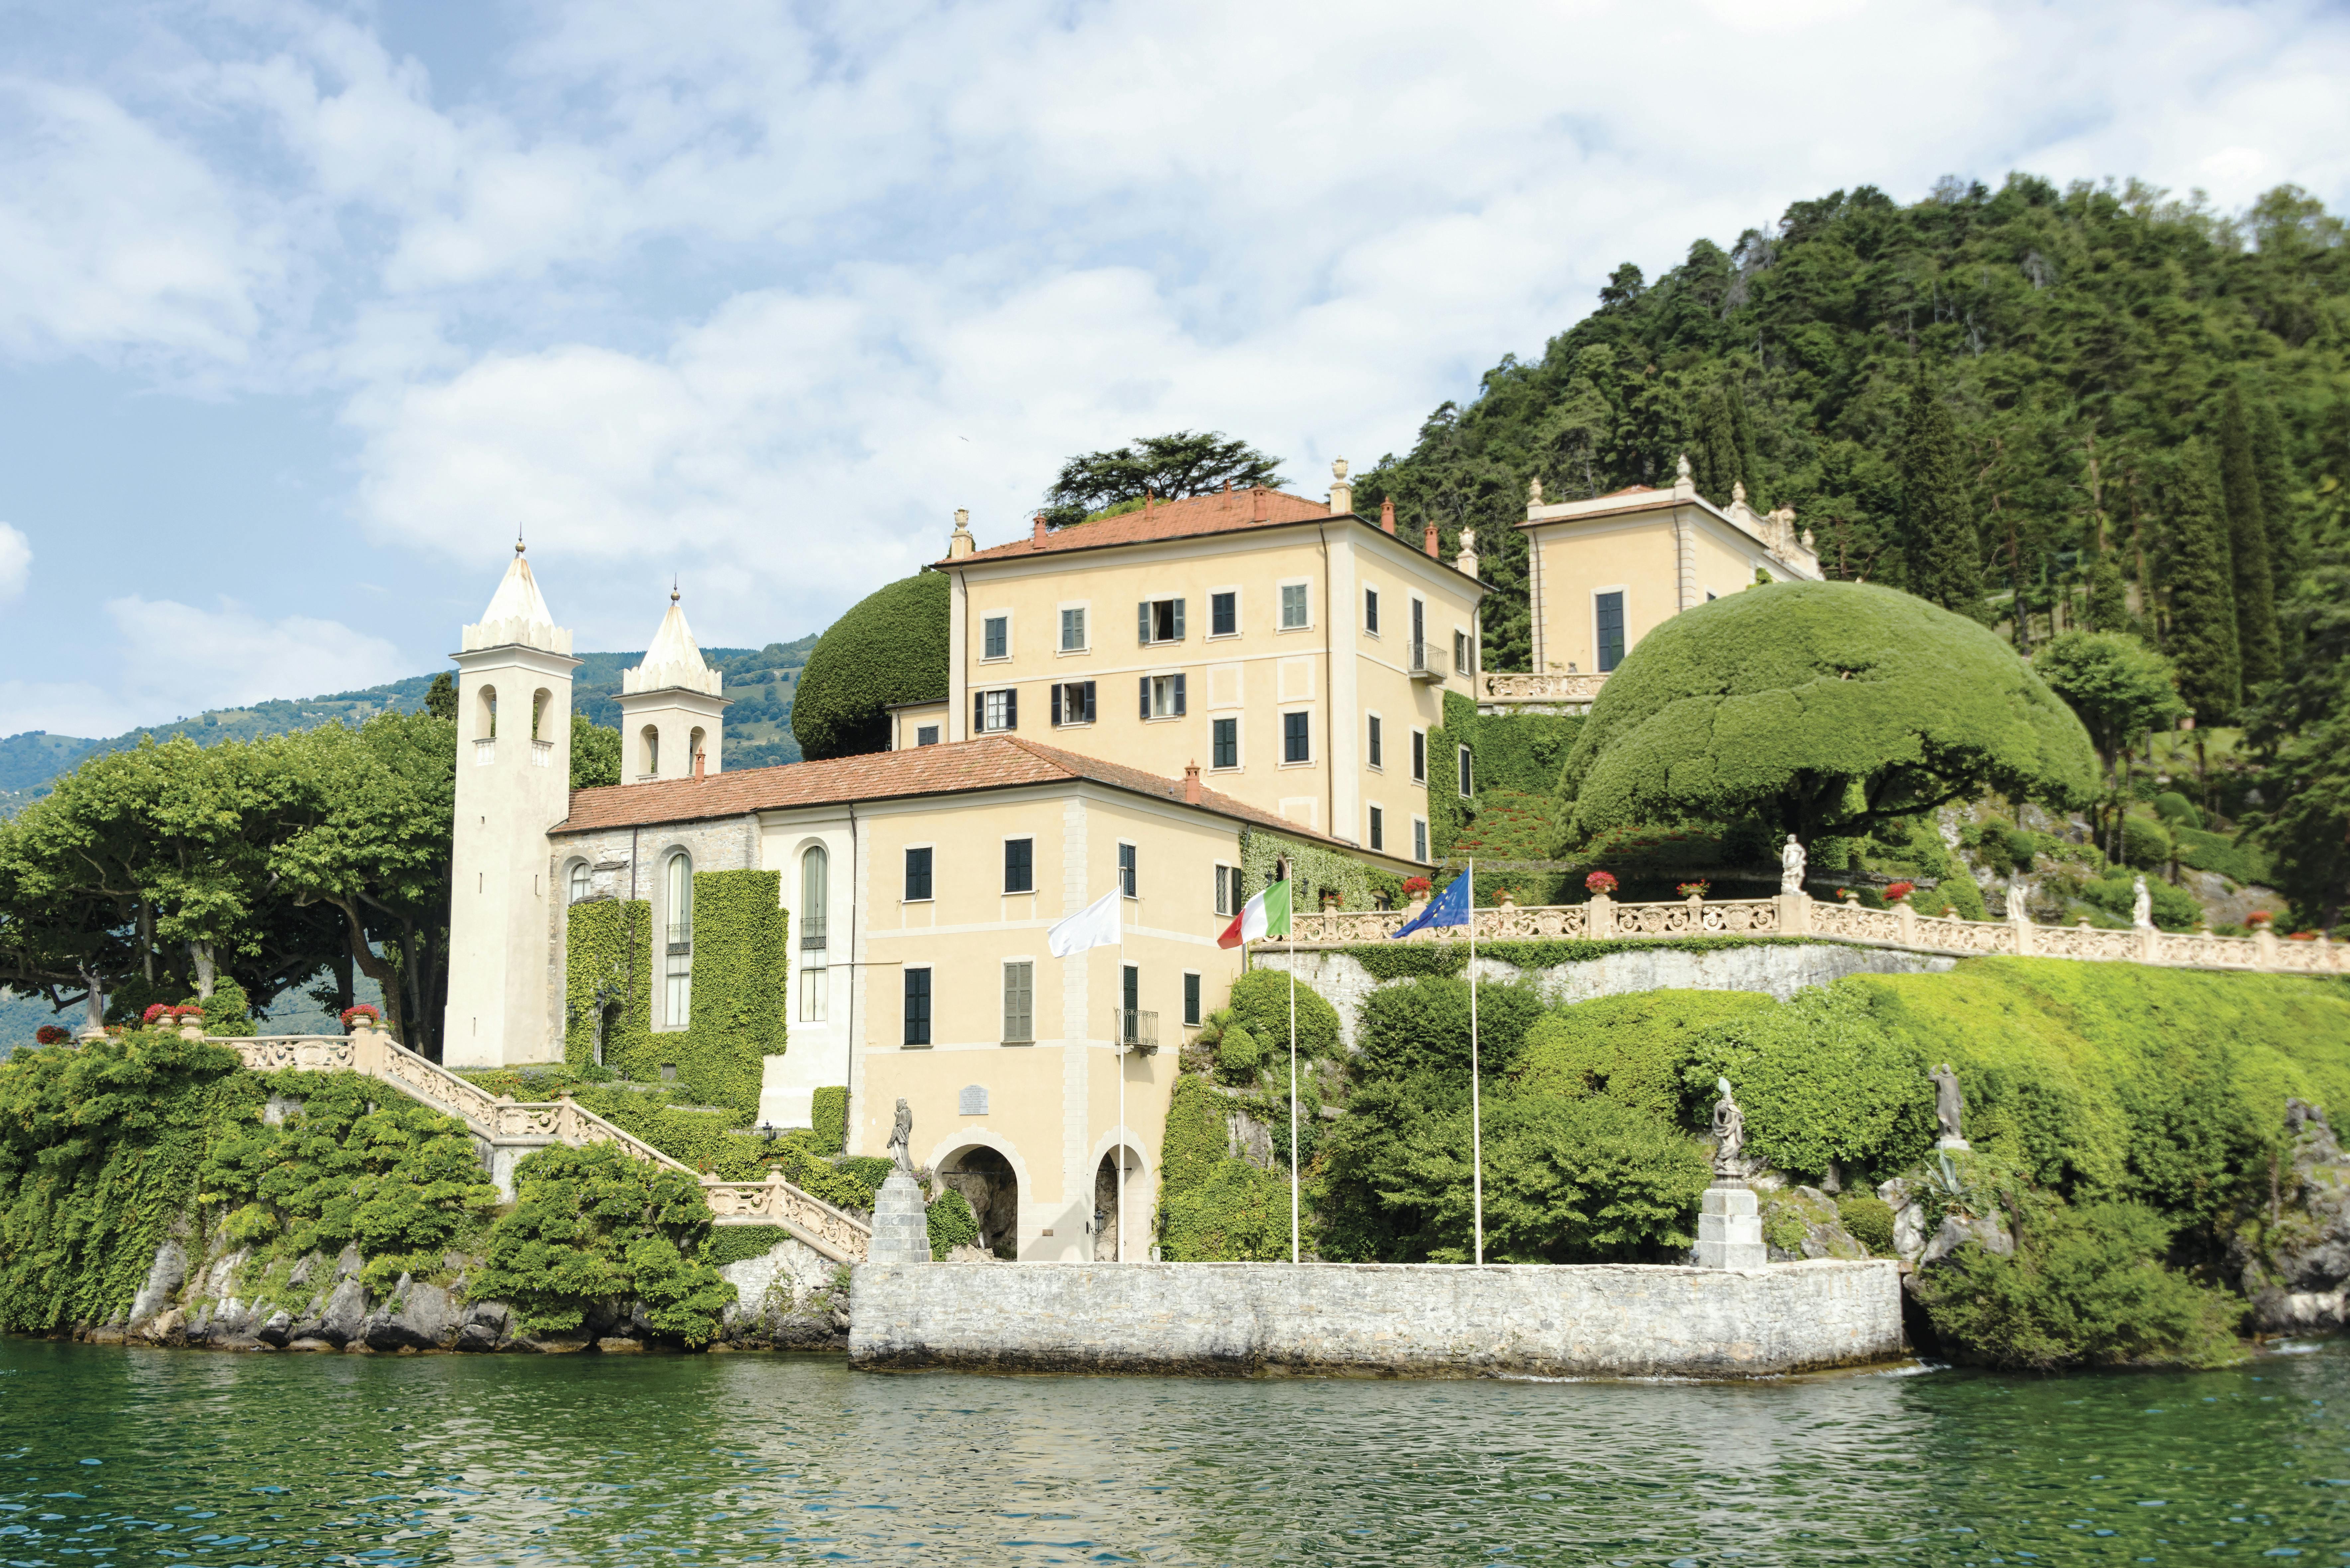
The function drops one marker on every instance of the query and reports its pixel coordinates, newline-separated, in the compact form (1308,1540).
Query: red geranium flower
(366,1009)
(155,1011)
(1896,891)
(1599,882)
(2259,917)
(50,1034)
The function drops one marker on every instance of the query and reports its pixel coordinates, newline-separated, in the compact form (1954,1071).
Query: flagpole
(1476,1129)
(1294,1254)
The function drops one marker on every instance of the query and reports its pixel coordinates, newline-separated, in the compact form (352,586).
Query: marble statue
(1950,1106)
(901,1139)
(1791,863)
(1728,1135)
(2141,907)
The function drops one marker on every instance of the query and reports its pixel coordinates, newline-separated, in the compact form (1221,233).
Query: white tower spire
(513,783)
(672,706)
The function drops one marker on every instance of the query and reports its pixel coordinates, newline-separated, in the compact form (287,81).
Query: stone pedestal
(901,1223)
(1730,1228)
(1954,1145)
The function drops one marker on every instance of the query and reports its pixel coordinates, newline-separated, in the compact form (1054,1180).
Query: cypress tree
(2202,641)
(2248,545)
(1941,548)
(2288,541)
(1742,436)
(1714,459)
(2108,596)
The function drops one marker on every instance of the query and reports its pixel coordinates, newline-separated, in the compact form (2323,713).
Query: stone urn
(1507,898)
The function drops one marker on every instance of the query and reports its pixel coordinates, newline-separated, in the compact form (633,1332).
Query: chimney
(959,542)
(1192,784)
(1037,541)
(1256,502)
(1430,546)
(1386,513)
(1150,503)
(1342,494)
(702,764)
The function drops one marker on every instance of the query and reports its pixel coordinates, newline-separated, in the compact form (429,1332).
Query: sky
(307,310)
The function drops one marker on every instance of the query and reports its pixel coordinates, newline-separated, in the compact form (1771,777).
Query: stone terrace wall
(1377,1320)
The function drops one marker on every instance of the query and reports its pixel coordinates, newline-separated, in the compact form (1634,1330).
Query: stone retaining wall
(1377,1320)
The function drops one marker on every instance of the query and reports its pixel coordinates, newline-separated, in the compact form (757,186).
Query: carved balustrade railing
(834,1232)
(1539,687)
(1800,914)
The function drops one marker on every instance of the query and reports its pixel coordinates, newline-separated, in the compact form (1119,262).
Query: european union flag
(1450,908)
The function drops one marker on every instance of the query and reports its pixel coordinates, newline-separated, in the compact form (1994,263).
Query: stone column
(1904,922)
(1794,914)
(2264,947)
(1602,911)
(901,1223)
(1730,1228)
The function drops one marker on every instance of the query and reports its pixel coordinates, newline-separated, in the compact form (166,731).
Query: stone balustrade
(1800,914)
(1576,691)
(501,1122)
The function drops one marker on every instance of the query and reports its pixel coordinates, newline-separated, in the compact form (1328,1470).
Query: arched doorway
(987,1182)
(1108,1215)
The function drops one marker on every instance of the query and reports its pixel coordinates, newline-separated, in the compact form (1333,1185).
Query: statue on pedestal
(2142,907)
(1729,1136)
(1790,867)
(1950,1106)
(901,1139)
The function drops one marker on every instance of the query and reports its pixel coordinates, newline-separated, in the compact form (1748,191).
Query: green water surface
(112,1456)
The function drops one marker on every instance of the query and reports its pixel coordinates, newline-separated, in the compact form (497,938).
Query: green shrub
(2174,808)
(867,1172)
(1237,1055)
(1260,1004)
(592,1228)
(1867,1221)
(2174,909)
(2087,1287)
(1195,1140)
(734,1243)
(829,1114)
(952,1224)
(1630,1049)
(1957,894)
(2241,863)
(1238,1213)
(1819,1079)
(227,1011)
(1424,1027)
(2146,844)
(2022,845)
(890,647)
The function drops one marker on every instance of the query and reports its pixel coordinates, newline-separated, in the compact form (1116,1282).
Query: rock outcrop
(2291,1258)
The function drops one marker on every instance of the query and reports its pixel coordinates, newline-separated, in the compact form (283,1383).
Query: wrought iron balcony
(680,937)
(1136,1030)
(812,933)
(1427,662)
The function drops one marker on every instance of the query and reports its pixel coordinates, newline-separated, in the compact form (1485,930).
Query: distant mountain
(759,680)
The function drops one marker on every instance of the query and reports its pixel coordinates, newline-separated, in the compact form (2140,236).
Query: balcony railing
(1136,1030)
(812,933)
(1572,688)
(1427,661)
(680,938)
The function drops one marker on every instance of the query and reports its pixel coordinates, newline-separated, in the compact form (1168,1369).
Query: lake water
(110,1456)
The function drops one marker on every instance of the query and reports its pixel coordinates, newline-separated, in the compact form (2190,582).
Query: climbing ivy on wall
(1359,885)
(1518,753)
(742,959)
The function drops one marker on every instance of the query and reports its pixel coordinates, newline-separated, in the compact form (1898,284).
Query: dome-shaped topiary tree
(891,647)
(1820,710)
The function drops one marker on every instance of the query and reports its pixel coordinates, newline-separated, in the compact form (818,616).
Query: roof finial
(672,588)
(517,541)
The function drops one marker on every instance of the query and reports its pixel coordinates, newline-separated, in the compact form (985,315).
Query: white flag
(1095,926)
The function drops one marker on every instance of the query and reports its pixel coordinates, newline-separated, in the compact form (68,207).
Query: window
(1019,1002)
(1019,865)
(926,735)
(1379,828)
(1293,606)
(1296,743)
(918,1007)
(1073,702)
(1466,791)
(1162,696)
(1160,621)
(1192,1000)
(816,956)
(579,880)
(1073,630)
(1371,611)
(1419,756)
(1223,615)
(996,634)
(1228,890)
(1376,750)
(1419,632)
(1418,838)
(1224,747)
(1130,1001)
(992,711)
(676,974)
(1126,870)
(918,875)
(1609,614)
(1459,653)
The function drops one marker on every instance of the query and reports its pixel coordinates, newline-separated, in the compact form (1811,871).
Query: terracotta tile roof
(1225,511)
(992,762)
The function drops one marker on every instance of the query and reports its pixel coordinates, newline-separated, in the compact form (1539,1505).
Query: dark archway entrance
(1107,1220)
(987,1183)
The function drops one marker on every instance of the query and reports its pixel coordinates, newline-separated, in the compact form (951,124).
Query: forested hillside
(2084,341)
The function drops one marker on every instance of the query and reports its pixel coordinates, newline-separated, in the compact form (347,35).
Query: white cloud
(16,561)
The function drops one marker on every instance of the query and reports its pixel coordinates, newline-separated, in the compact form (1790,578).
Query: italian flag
(1267,915)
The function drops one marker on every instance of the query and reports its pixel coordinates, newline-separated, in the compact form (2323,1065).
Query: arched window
(816,955)
(652,739)
(579,880)
(489,719)
(694,745)
(677,989)
(540,703)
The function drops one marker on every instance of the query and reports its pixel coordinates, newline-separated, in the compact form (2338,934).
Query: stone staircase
(507,1130)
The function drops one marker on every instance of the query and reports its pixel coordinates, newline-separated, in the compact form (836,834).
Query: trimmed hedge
(1315,871)
(1408,960)
(889,648)
(828,1116)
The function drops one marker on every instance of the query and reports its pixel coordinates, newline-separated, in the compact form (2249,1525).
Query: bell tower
(670,708)
(513,783)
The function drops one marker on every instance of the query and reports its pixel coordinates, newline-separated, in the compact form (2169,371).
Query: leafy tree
(2304,721)
(2202,638)
(440,697)
(2108,596)
(1941,553)
(1187,463)
(2248,546)
(1423,1027)
(2120,688)
(1820,710)
(889,648)
(595,754)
